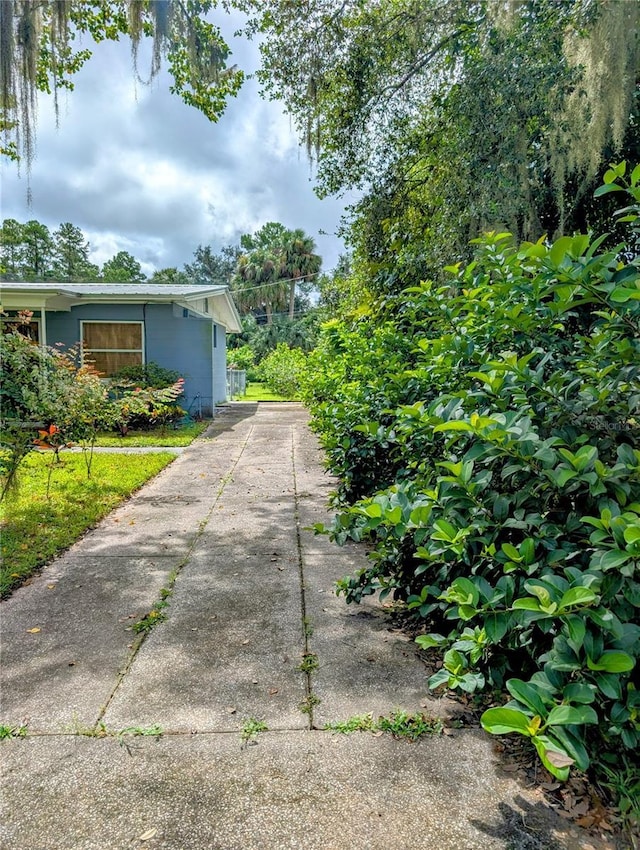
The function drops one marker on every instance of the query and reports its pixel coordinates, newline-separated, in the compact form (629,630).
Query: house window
(109,346)
(30,329)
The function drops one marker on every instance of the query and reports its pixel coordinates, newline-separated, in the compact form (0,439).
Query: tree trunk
(267,307)
(292,299)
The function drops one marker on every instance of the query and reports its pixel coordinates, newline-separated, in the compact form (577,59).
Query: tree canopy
(454,117)
(276,261)
(121,268)
(39,54)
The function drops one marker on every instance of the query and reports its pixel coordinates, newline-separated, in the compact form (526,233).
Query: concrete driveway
(135,740)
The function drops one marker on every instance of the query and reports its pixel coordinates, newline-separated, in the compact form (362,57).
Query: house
(120,324)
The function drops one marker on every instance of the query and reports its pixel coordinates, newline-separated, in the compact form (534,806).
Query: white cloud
(140,171)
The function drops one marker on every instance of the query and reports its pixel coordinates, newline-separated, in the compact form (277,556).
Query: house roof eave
(62,297)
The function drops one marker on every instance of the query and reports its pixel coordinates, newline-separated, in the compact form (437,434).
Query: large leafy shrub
(487,439)
(283,369)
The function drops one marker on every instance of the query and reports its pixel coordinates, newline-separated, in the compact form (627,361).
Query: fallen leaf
(559,759)
(33,631)
(147,835)
(580,809)
(50,586)
(273,691)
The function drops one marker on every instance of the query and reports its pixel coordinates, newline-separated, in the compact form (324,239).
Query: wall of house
(220,363)
(172,339)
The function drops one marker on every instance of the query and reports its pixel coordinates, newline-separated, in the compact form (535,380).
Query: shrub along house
(121,324)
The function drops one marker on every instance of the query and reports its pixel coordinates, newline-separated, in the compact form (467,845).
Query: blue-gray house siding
(174,337)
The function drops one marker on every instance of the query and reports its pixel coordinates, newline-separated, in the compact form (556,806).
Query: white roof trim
(64,296)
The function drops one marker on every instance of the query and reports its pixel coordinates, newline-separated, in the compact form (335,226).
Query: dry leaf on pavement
(147,835)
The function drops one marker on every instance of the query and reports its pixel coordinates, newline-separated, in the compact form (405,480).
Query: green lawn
(167,436)
(261,392)
(35,528)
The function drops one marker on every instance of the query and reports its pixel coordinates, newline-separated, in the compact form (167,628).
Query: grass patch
(167,436)
(261,392)
(35,529)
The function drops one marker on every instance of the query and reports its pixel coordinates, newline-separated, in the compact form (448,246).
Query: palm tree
(299,262)
(255,282)
(274,262)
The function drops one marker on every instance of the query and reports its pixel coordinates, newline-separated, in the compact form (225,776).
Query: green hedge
(486,436)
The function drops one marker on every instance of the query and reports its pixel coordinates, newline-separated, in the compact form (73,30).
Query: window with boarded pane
(109,346)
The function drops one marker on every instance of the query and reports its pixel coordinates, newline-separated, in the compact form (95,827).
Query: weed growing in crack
(157,613)
(357,723)
(308,627)
(309,663)
(155,616)
(250,730)
(155,731)
(401,724)
(12,732)
(308,703)
(99,730)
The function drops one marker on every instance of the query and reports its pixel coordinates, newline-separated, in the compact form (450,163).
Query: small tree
(48,401)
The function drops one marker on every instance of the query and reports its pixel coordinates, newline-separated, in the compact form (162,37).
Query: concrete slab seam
(310,698)
(172,580)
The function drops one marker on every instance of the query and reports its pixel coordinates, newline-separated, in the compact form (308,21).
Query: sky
(139,171)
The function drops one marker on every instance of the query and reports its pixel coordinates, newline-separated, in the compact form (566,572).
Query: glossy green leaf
(502,721)
(454,425)
(613,661)
(577,596)
(579,692)
(563,715)
(527,694)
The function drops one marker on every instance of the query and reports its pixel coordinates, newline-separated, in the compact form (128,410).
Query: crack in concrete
(310,697)
(99,734)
